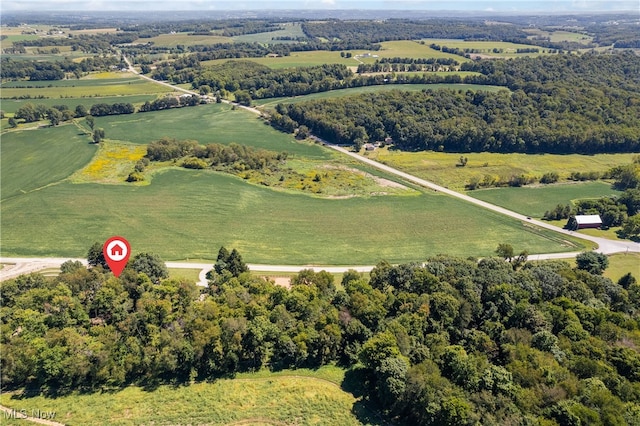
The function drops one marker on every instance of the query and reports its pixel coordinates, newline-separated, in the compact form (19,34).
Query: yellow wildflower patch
(112,163)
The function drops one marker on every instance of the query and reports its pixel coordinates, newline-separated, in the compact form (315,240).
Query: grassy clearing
(214,123)
(189,214)
(272,102)
(129,85)
(33,159)
(535,201)
(440,167)
(621,264)
(262,398)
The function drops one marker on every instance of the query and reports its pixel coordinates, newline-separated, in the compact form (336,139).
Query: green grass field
(272,102)
(32,159)
(440,167)
(292,397)
(535,201)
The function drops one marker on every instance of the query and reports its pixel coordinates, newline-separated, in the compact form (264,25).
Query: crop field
(535,201)
(129,85)
(189,214)
(214,123)
(12,105)
(440,167)
(33,159)
(272,102)
(291,397)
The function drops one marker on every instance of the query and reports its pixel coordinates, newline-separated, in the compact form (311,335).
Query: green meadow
(263,398)
(535,201)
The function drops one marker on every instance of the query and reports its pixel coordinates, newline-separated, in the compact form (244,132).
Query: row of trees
(448,341)
(58,70)
(559,104)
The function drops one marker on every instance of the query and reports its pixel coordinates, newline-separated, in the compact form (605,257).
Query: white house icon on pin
(117,250)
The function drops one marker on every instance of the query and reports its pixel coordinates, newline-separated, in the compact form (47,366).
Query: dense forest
(557,104)
(447,342)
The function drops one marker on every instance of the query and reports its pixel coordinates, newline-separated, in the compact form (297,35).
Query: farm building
(582,221)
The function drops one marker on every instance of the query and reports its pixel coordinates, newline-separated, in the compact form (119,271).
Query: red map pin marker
(116,251)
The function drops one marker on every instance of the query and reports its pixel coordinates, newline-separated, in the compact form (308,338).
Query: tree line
(58,70)
(445,342)
(558,104)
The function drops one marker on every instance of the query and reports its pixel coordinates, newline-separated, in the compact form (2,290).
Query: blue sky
(555,6)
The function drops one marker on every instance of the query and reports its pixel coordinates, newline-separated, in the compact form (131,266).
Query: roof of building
(583,219)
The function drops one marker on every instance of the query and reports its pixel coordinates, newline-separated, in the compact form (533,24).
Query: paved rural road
(605,245)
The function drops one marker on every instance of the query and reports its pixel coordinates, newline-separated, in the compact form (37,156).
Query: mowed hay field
(252,399)
(440,167)
(536,200)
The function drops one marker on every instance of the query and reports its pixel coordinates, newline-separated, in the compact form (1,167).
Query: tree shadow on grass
(355,382)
